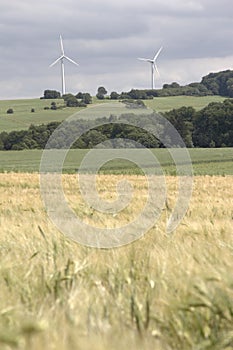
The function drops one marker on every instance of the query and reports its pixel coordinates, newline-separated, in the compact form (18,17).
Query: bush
(53,106)
(114,95)
(71,101)
(10,111)
(82,104)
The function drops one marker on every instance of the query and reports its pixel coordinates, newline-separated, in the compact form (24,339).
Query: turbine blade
(55,62)
(70,60)
(156,68)
(62,47)
(157,54)
(144,59)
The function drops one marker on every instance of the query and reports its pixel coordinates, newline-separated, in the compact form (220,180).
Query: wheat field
(160,292)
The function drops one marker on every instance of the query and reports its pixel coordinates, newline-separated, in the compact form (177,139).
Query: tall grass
(161,292)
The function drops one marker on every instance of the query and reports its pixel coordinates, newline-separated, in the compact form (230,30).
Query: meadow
(164,104)
(162,292)
(205,161)
(22,117)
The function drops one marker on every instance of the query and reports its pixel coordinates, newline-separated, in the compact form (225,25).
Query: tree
(87,99)
(101,92)
(218,83)
(114,95)
(71,100)
(93,138)
(182,120)
(230,87)
(79,95)
(51,94)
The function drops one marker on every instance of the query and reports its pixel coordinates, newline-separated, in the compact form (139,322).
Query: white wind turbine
(61,59)
(153,66)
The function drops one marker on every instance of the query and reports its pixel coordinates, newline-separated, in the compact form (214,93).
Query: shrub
(82,104)
(53,106)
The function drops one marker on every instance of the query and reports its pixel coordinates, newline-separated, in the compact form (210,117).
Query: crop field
(161,292)
(205,161)
(22,117)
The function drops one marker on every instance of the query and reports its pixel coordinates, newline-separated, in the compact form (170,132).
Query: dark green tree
(51,94)
(70,100)
(79,95)
(87,99)
(101,92)
(114,95)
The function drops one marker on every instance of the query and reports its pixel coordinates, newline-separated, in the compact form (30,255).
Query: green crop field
(216,161)
(22,117)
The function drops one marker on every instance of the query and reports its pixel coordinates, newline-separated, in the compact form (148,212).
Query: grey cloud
(106,37)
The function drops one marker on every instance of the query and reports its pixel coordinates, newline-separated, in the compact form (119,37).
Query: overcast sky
(105,37)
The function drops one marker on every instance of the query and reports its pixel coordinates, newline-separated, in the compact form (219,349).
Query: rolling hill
(22,117)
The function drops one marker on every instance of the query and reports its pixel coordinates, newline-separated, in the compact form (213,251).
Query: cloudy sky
(105,38)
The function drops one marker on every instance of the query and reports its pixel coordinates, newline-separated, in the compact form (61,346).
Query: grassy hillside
(161,292)
(163,104)
(205,162)
(23,117)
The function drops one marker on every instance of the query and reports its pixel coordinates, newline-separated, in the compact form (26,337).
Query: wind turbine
(153,66)
(61,59)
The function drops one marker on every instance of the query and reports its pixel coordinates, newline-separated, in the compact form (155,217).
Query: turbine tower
(153,66)
(61,59)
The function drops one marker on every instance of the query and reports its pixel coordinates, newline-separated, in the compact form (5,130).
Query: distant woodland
(220,83)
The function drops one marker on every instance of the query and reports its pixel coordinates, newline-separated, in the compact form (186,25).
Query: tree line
(210,127)
(81,99)
(220,83)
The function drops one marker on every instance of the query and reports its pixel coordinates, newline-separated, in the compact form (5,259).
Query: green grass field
(163,104)
(22,117)
(214,161)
